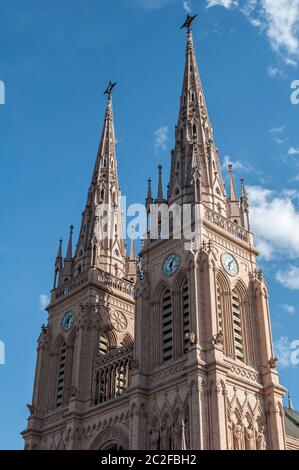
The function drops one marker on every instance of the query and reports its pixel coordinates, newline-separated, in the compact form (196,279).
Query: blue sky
(56,60)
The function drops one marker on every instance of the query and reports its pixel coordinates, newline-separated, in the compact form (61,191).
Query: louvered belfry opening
(167,327)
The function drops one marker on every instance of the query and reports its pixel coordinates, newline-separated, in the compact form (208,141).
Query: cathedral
(172,350)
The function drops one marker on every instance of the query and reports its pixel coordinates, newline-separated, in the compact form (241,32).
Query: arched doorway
(112,438)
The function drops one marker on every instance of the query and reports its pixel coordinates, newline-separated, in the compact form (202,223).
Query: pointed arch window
(186,314)
(61,376)
(237,327)
(167,327)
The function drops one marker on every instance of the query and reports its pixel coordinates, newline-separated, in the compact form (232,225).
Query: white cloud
(275,222)
(223,3)
(274,72)
(187,6)
(289,278)
(282,18)
(43,301)
(161,138)
(277,19)
(276,133)
(149,4)
(293,151)
(282,349)
(238,165)
(290,309)
(277,130)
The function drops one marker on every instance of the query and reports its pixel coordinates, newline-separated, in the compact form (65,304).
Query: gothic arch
(127,340)
(249,337)
(111,437)
(112,338)
(160,289)
(224,312)
(58,344)
(72,338)
(177,406)
(223,279)
(179,281)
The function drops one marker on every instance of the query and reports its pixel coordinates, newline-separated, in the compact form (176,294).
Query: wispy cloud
(238,165)
(274,72)
(223,3)
(161,138)
(275,221)
(277,130)
(43,301)
(187,6)
(282,349)
(149,4)
(278,20)
(276,133)
(289,277)
(293,151)
(289,309)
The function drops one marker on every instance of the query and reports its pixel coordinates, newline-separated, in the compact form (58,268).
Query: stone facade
(178,359)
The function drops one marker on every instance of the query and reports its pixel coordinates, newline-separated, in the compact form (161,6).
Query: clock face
(171,265)
(230,264)
(68,321)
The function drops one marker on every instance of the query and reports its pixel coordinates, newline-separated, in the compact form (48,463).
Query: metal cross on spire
(188,22)
(109,89)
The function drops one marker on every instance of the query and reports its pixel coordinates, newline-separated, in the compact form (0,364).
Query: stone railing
(112,373)
(226,224)
(96,276)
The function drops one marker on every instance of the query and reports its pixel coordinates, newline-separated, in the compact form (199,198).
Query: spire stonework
(234,212)
(195,150)
(101,242)
(58,263)
(160,186)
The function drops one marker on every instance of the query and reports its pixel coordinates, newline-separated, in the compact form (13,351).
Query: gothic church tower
(91,315)
(201,373)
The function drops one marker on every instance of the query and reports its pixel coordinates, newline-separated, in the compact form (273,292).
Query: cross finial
(109,89)
(188,23)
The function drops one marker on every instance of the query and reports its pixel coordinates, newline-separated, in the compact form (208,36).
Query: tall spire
(132,248)
(290,402)
(149,197)
(131,265)
(101,242)
(194,147)
(69,254)
(58,263)
(244,206)
(160,185)
(233,194)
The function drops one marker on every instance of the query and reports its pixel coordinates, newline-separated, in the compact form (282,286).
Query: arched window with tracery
(167,327)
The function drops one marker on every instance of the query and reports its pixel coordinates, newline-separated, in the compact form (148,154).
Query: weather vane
(109,89)
(188,23)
